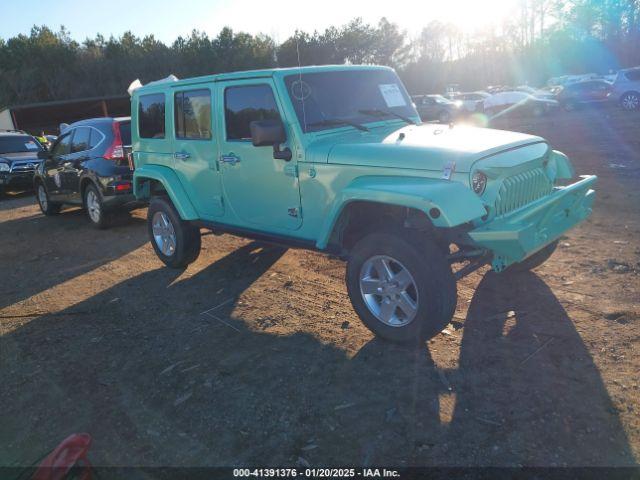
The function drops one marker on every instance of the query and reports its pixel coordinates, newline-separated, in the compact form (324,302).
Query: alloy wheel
(631,101)
(93,206)
(163,233)
(389,291)
(42,198)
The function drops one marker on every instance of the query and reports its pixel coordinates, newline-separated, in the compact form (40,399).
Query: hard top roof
(264,73)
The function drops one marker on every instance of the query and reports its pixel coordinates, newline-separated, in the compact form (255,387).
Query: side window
(193,114)
(96,138)
(633,75)
(243,105)
(80,139)
(151,116)
(63,147)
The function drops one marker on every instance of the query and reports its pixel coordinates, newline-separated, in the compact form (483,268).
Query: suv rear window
(243,105)
(151,116)
(80,139)
(125,132)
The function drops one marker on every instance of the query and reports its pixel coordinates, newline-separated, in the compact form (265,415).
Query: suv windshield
(19,144)
(325,100)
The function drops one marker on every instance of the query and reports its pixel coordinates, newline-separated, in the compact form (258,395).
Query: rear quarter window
(151,116)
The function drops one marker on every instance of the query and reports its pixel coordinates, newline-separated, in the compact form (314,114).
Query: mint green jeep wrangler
(336,159)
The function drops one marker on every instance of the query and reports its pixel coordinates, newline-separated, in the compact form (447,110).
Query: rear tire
(630,101)
(534,260)
(444,117)
(176,242)
(95,209)
(402,288)
(47,207)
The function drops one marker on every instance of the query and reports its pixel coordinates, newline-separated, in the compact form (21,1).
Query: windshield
(19,144)
(324,100)
(441,100)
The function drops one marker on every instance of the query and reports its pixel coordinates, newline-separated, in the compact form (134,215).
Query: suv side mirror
(270,132)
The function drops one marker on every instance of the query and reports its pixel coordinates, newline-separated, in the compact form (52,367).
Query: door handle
(181,156)
(230,158)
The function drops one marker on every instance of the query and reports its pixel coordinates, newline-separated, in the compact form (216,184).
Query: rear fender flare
(171,184)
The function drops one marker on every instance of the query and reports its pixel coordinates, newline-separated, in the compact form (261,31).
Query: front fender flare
(457,203)
(171,184)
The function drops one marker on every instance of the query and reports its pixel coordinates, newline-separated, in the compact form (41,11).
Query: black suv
(87,165)
(18,159)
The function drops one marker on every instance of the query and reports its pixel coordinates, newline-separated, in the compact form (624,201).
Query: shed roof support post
(105,112)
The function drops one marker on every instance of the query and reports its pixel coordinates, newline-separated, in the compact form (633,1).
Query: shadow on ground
(59,256)
(156,382)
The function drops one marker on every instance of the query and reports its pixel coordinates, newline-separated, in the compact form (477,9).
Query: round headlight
(4,167)
(479,182)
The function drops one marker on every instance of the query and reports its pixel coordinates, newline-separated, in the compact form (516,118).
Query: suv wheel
(95,207)
(630,101)
(47,206)
(402,289)
(176,242)
(534,260)
(444,117)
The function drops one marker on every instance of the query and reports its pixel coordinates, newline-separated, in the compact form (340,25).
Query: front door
(261,190)
(54,166)
(195,150)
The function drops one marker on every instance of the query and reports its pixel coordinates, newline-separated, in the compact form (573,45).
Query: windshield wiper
(378,112)
(338,121)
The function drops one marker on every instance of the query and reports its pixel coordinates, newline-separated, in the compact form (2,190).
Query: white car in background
(470,101)
(518,102)
(626,88)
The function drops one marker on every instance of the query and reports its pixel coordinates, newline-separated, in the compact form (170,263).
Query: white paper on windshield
(392,95)
(31,145)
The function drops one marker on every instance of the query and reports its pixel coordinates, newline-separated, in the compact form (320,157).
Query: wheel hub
(163,233)
(389,290)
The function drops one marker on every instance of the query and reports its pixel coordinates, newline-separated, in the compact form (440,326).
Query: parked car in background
(18,159)
(573,95)
(626,88)
(470,101)
(437,107)
(519,103)
(536,92)
(87,166)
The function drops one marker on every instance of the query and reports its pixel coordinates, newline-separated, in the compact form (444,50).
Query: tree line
(543,38)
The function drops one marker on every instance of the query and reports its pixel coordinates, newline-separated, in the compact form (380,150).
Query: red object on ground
(59,463)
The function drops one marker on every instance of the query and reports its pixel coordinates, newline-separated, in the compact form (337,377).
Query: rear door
(73,164)
(261,190)
(195,149)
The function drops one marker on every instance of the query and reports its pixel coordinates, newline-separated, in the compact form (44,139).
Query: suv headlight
(4,167)
(479,182)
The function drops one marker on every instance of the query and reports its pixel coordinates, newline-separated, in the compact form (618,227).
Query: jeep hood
(417,147)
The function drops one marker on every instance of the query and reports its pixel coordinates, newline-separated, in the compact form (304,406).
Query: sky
(168,19)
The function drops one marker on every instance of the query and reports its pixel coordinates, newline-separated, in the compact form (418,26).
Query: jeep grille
(521,189)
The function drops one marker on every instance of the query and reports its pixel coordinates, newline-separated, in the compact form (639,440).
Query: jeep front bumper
(516,236)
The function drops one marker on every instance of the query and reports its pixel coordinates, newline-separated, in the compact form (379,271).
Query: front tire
(534,260)
(402,288)
(176,242)
(444,117)
(47,207)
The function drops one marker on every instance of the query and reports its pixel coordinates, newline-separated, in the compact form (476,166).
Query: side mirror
(270,132)
(44,154)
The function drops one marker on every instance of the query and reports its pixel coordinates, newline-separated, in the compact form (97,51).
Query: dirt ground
(254,356)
